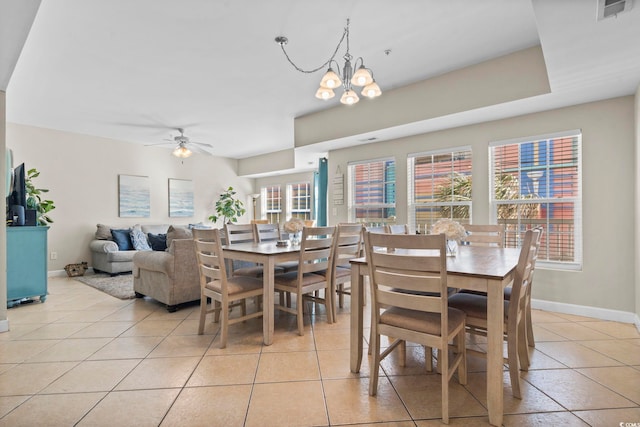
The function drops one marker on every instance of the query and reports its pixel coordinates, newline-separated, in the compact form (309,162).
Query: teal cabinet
(26,263)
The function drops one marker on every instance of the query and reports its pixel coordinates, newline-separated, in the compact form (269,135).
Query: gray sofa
(170,277)
(107,257)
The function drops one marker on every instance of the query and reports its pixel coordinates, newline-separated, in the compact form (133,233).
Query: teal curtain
(321,185)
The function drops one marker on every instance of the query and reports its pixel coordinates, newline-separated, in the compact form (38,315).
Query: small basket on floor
(75,270)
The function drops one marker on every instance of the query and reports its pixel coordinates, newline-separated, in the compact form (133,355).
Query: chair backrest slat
(397,229)
(315,249)
(239,233)
(524,271)
(484,235)
(210,256)
(266,232)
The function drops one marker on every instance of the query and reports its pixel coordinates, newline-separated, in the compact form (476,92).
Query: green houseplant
(35,199)
(228,207)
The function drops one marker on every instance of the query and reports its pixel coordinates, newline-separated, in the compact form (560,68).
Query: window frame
(351,197)
(264,212)
(307,213)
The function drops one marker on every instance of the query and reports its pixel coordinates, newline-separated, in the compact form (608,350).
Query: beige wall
(608,277)
(82,171)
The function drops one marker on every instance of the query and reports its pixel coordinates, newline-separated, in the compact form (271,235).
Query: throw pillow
(103,232)
(122,239)
(176,232)
(139,239)
(158,242)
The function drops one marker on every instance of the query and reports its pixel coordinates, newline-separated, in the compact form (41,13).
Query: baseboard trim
(4,325)
(583,310)
(56,273)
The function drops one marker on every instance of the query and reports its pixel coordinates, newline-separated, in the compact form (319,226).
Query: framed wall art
(133,196)
(180,198)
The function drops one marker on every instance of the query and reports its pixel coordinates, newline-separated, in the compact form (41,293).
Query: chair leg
(512,355)
(523,348)
(203,313)
(443,366)
(462,367)
(531,342)
(374,348)
(428,358)
(300,314)
(218,310)
(224,325)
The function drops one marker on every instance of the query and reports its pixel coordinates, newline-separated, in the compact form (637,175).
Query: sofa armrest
(155,261)
(186,263)
(103,246)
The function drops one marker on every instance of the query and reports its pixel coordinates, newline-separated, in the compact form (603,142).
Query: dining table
(479,268)
(268,254)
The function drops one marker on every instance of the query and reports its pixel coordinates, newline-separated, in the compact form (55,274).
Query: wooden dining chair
(397,229)
(224,292)
(475,306)
(259,221)
(347,246)
(243,233)
(409,303)
(484,235)
(314,259)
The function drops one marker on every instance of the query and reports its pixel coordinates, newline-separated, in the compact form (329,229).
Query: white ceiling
(135,70)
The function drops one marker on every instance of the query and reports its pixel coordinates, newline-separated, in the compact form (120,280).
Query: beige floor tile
(284,342)
(87,316)
(287,404)
(182,345)
(152,328)
(292,366)
(575,391)
(70,350)
(465,421)
(225,370)
(541,334)
(615,329)
(160,373)
(576,318)
(9,403)
(138,408)
(19,351)
(335,364)
(575,331)
(103,330)
(224,406)
(127,348)
(415,362)
(35,314)
(621,350)
(422,396)
(4,367)
(237,344)
(611,417)
(623,380)
(541,316)
(575,355)
(130,313)
(90,376)
(52,410)
(55,331)
(30,378)
(348,402)
(533,400)
(190,327)
(564,419)
(329,339)
(539,360)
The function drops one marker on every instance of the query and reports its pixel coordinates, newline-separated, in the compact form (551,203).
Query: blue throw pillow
(158,242)
(122,239)
(139,239)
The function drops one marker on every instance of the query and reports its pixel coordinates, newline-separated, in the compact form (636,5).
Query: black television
(18,196)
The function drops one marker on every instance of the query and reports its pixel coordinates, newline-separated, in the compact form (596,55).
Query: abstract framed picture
(133,196)
(180,198)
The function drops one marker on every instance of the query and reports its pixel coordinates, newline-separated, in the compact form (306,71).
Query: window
(299,200)
(372,191)
(537,182)
(439,185)
(271,204)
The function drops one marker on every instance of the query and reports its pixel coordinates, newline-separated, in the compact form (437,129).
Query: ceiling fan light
(362,77)
(325,93)
(182,152)
(349,97)
(330,80)
(371,90)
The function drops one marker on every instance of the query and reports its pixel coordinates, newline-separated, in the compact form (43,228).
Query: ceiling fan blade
(202,144)
(160,143)
(197,149)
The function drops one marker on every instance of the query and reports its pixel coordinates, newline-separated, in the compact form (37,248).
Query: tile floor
(84,358)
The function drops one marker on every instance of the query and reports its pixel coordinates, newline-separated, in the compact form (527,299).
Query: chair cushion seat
(420,321)
(254,271)
(290,280)
(237,285)
(288,266)
(473,304)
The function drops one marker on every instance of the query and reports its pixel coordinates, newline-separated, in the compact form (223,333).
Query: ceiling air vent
(608,8)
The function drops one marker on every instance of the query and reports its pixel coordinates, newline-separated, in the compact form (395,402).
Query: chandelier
(362,77)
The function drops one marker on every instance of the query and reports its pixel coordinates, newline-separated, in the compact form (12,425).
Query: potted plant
(35,200)
(228,207)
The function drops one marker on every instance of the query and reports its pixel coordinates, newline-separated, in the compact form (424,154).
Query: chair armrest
(103,246)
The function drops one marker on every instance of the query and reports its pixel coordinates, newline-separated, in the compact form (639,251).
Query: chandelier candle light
(362,77)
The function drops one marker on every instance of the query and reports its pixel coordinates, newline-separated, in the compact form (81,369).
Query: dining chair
(242,233)
(475,307)
(484,235)
(314,258)
(225,292)
(409,303)
(397,229)
(259,221)
(347,246)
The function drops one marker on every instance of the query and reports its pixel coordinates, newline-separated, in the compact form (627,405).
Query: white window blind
(372,191)
(535,182)
(271,204)
(439,186)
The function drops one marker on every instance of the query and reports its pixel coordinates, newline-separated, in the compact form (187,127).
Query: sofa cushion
(158,242)
(176,232)
(122,238)
(139,239)
(103,232)
(155,228)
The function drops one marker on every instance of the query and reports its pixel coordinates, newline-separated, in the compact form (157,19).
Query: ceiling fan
(184,146)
